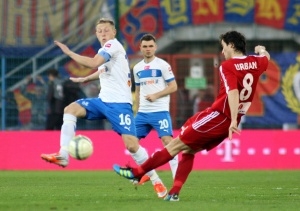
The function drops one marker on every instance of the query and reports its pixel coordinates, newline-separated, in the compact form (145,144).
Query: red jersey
(240,73)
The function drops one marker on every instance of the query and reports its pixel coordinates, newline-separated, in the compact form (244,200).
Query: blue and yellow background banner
(277,98)
(157,17)
(25,33)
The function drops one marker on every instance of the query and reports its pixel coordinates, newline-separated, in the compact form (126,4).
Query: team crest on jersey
(108,45)
(289,90)
(153,74)
(147,67)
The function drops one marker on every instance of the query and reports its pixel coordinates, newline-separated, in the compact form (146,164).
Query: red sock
(185,167)
(157,159)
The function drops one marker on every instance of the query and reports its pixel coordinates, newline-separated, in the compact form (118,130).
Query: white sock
(140,157)
(67,133)
(173,165)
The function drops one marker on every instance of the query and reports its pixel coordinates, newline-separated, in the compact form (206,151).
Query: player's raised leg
(157,159)
(174,162)
(61,158)
(140,156)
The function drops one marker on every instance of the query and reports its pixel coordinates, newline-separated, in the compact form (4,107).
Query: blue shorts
(160,121)
(120,115)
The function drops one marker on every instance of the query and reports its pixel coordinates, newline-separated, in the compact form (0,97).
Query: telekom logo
(228,149)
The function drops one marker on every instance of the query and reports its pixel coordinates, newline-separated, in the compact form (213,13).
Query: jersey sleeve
(108,50)
(167,71)
(135,76)
(263,63)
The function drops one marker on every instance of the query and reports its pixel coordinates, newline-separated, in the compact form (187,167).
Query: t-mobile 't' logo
(228,149)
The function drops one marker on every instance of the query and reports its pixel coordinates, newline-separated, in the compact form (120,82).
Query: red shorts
(205,130)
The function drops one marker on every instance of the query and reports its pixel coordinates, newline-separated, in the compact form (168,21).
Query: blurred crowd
(41,100)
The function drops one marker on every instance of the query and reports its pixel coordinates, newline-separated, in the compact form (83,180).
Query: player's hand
(233,128)
(150,98)
(259,48)
(63,47)
(78,80)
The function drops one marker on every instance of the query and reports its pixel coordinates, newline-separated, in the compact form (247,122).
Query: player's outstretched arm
(92,77)
(94,62)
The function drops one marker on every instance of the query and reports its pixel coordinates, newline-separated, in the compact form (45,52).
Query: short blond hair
(106,20)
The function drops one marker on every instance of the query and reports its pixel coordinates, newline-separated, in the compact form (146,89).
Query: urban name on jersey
(246,66)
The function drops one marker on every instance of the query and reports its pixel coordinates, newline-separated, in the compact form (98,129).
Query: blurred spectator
(35,91)
(197,99)
(203,99)
(12,111)
(55,100)
(71,92)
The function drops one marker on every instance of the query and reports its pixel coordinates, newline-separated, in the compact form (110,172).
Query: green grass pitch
(105,190)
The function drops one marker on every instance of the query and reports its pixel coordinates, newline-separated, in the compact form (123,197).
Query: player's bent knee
(166,140)
(74,109)
(176,146)
(131,143)
(132,148)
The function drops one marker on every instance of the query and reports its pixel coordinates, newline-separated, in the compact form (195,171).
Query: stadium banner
(171,14)
(175,14)
(252,150)
(143,18)
(205,12)
(239,11)
(271,13)
(25,34)
(28,27)
(292,17)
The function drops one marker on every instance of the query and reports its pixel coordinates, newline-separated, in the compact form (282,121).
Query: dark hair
(106,20)
(53,72)
(147,37)
(235,38)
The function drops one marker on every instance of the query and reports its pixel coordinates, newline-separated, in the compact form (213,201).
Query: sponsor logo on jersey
(149,82)
(108,45)
(147,67)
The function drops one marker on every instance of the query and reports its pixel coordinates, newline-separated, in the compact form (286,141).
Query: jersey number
(247,84)
(125,119)
(163,124)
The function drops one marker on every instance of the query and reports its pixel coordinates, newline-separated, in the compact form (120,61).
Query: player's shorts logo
(85,103)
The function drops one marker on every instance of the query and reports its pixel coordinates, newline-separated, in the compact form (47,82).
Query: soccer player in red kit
(205,130)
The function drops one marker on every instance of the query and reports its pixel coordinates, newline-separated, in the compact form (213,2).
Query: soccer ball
(80,147)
